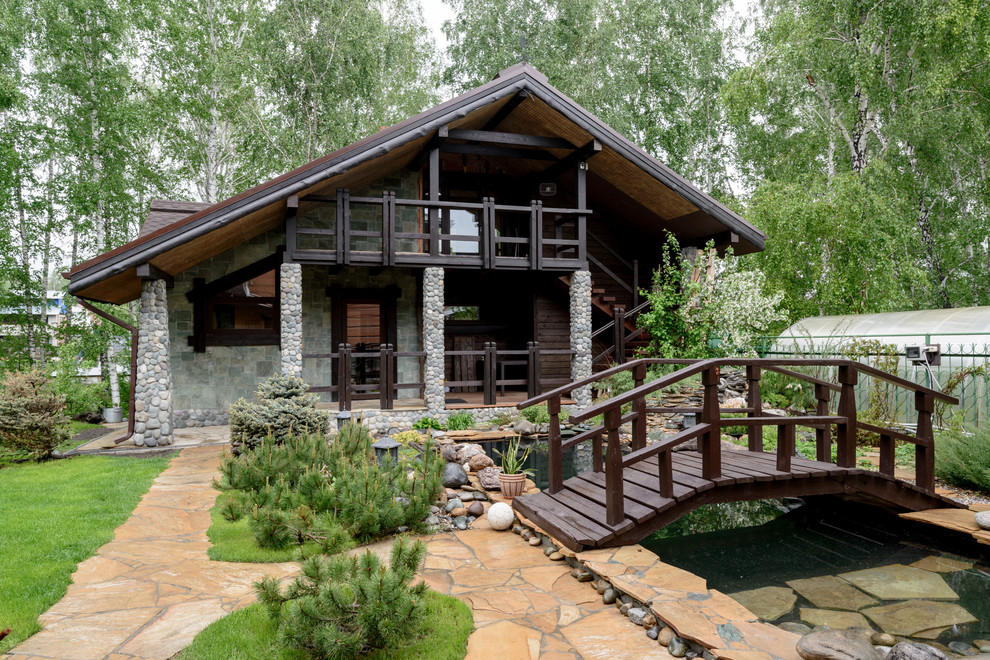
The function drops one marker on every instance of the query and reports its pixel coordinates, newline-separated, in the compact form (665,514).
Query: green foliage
(344,606)
(32,414)
(460,421)
(962,457)
(780,391)
(502,419)
(306,489)
(512,461)
(54,515)
(405,437)
(283,408)
(537,414)
(251,633)
(424,423)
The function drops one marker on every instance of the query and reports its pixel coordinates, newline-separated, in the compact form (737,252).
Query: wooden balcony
(386,231)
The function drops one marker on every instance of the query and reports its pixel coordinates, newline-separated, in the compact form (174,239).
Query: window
(240,309)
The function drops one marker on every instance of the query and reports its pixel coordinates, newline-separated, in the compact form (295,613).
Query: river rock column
(581,334)
(290,303)
(433,373)
(153,421)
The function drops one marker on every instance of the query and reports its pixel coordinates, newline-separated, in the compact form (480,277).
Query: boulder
(851,644)
(915,651)
(449,453)
(480,462)
(466,451)
(524,427)
(734,402)
(476,509)
(488,477)
(983,519)
(454,475)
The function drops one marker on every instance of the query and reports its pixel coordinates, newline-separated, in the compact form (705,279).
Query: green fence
(963,368)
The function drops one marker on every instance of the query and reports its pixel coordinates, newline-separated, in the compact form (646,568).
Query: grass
(250,633)
(75,428)
(233,541)
(54,515)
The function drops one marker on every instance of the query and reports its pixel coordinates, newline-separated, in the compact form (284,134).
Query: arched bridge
(626,497)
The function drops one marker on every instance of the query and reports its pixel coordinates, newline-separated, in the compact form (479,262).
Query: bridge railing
(710,422)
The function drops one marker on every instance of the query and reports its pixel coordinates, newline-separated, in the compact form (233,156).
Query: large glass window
(240,309)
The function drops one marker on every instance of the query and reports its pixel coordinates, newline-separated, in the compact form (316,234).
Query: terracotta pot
(512,485)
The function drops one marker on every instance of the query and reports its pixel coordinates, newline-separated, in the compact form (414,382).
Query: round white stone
(500,516)
(982,519)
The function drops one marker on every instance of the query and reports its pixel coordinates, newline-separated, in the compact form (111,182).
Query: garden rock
(466,452)
(962,648)
(458,512)
(915,651)
(983,519)
(883,639)
(666,634)
(449,453)
(654,632)
(794,627)
(461,522)
(454,475)
(488,478)
(453,504)
(476,509)
(636,615)
(524,427)
(848,644)
(480,462)
(677,647)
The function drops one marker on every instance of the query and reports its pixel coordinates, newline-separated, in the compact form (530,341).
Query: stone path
(150,590)
(525,606)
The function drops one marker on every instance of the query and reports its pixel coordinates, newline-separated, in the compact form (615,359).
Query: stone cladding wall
(153,391)
(290,311)
(433,325)
(581,334)
(205,384)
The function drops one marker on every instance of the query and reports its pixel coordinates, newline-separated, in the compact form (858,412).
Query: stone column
(433,374)
(581,334)
(153,421)
(290,302)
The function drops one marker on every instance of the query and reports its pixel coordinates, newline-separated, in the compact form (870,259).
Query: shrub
(536,414)
(346,606)
(32,414)
(283,408)
(424,423)
(306,489)
(460,421)
(962,457)
(405,437)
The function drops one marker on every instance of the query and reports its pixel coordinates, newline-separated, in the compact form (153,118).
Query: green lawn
(251,633)
(54,515)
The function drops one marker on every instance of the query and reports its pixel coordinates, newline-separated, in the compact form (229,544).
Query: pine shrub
(32,414)
(284,407)
(962,458)
(345,606)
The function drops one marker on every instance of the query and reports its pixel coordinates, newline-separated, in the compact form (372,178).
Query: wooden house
(477,253)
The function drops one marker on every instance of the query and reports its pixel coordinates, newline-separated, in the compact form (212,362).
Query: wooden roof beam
(569,162)
(506,110)
(515,139)
(149,271)
(721,240)
(494,151)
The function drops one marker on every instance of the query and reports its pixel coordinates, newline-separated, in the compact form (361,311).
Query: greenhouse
(946,349)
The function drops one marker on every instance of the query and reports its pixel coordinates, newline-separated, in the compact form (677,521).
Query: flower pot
(512,485)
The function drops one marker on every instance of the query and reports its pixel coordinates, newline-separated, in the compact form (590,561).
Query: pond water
(937,599)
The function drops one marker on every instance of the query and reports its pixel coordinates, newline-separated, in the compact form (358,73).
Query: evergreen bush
(345,606)
(962,457)
(283,408)
(32,414)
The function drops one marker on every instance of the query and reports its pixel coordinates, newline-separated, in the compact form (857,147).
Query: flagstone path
(148,592)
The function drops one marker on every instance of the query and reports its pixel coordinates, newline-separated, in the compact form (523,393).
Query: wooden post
(823,435)
(388,228)
(385,376)
(886,455)
(755,402)
(344,376)
(339,228)
(291,210)
(537,240)
(785,446)
(534,372)
(434,214)
(619,334)
(534,230)
(581,188)
(346,238)
(711,441)
(555,464)
(635,282)
(665,465)
(614,513)
(596,452)
(924,451)
(489,373)
(639,406)
(846,433)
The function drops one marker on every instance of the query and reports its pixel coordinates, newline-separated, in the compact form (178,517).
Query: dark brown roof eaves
(509,81)
(163,213)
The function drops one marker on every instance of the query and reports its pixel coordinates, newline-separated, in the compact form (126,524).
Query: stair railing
(708,430)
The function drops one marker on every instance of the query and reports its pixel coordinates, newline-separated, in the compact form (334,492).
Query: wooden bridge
(627,497)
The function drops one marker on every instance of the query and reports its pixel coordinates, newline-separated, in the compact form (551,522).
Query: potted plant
(512,478)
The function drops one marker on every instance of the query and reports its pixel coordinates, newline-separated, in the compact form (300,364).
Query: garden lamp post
(690,419)
(386,446)
(343,417)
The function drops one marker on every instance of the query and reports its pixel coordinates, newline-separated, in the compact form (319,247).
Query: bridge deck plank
(596,493)
(646,496)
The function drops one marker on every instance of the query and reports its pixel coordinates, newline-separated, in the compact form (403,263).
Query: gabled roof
(652,187)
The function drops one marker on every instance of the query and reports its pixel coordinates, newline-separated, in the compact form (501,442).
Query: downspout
(134,351)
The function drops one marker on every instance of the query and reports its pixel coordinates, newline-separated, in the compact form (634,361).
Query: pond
(892,576)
